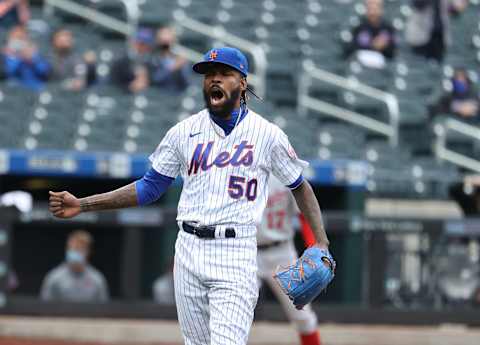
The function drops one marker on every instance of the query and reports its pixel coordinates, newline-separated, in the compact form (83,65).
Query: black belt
(270,245)
(206,231)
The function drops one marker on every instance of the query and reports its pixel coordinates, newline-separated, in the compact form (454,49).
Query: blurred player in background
(275,247)
(75,280)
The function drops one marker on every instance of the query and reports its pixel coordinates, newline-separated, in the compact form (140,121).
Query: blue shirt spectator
(22,62)
(30,70)
(168,71)
(461,100)
(167,75)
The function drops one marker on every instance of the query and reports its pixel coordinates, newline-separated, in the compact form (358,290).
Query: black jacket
(364,34)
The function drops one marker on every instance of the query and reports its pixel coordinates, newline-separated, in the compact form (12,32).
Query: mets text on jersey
(243,155)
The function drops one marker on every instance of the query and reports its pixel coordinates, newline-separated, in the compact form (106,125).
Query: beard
(223,108)
(64,51)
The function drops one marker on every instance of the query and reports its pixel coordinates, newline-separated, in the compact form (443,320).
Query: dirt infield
(59,331)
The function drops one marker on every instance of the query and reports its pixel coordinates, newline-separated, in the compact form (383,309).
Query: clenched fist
(63,204)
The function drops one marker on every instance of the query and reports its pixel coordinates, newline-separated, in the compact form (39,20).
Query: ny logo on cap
(213,55)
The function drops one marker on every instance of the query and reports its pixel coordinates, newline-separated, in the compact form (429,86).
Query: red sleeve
(307,232)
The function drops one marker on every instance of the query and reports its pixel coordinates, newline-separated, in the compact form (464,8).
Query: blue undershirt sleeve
(151,186)
(297,183)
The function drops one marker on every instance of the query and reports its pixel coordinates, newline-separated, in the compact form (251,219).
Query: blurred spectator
(374,35)
(456,7)
(75,280)
(13,13)
(168,70)
(75,72)
(130,72)
(427,29)
(462,100)
(22,61)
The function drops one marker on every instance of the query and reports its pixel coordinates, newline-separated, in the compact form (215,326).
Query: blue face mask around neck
(228,125)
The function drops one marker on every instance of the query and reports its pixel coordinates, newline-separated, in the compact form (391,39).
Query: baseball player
(275,247)
(224,154)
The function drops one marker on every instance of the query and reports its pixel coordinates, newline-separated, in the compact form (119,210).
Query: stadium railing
(96,16)
(440,147)
(305,101)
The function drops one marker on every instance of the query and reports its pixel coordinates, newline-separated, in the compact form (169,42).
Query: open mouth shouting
(216,95)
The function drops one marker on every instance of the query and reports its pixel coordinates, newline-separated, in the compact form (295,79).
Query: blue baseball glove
(303,281)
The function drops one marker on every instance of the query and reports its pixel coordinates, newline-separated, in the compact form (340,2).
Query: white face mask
(75,257)
(16,44)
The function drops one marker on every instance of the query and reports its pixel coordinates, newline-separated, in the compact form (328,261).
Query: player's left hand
(308,276)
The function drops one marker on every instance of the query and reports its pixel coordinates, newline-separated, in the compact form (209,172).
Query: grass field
(56,331)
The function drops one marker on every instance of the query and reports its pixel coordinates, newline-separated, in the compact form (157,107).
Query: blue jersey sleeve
(151,186)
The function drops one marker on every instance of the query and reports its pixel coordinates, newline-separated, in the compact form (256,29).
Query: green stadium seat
(412,112)
(108,119)
(341,134)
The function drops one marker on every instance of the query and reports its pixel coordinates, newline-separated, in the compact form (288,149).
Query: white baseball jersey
(225,178)
(276,222)
(225,182)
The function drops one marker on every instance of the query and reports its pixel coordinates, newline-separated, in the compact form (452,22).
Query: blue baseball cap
(145,36)
(227,56)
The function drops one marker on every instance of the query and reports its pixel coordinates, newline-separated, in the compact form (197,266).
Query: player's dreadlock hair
(244,96)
